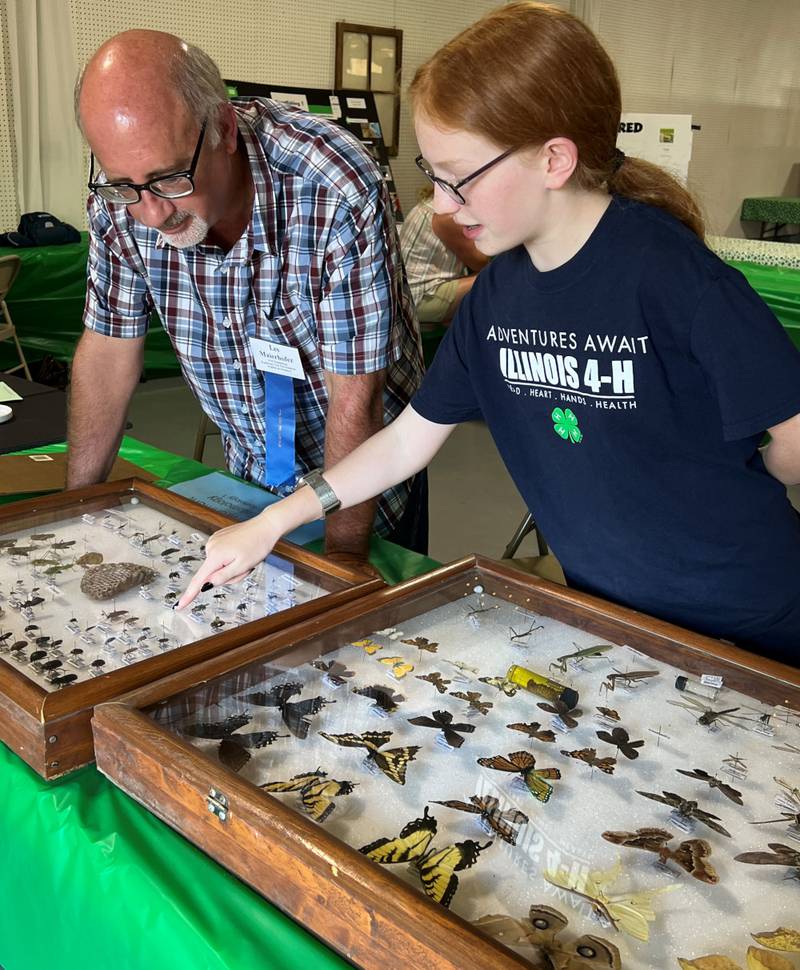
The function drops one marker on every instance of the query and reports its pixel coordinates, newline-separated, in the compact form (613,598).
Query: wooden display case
(165,745)
(48,548)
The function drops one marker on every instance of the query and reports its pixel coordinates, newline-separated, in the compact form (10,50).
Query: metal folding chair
(206,428)
(9,268)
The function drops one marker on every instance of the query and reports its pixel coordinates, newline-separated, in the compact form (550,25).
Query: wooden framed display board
(393,777)
(88,584)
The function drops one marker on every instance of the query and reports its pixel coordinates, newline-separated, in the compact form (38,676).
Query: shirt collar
(263,223)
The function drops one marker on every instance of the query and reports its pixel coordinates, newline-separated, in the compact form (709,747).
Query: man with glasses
(262,237)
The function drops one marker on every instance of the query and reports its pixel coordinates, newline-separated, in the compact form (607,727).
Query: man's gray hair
(195,78)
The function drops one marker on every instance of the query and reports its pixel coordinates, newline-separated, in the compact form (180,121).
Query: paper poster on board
(290,98)
(665,140)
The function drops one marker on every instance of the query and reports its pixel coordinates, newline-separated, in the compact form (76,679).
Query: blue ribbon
(279,423)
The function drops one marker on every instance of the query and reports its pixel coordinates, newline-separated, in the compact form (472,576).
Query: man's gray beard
(194,233)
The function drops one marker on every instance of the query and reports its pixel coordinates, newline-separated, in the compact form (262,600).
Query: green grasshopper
(560,663)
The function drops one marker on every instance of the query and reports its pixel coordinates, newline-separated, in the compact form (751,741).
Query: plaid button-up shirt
(318,268)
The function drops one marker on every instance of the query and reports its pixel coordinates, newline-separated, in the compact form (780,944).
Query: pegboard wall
(268,41)
(9,212)
(730,63)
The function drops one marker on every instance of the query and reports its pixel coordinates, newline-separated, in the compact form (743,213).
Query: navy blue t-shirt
(627,391)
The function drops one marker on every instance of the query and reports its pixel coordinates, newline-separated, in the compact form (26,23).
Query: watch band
(326,495)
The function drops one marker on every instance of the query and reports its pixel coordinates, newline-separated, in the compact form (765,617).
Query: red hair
(526,73)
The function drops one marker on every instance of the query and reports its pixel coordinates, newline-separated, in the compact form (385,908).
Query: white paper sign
(665,140)
(277,358)
(287,97)
(356,103)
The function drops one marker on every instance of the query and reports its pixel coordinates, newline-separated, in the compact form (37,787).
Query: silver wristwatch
(323,491)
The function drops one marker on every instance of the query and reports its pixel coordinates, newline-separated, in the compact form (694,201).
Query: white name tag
(277,358)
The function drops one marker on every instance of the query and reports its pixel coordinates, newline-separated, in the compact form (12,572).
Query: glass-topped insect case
(88,584)
(387,777)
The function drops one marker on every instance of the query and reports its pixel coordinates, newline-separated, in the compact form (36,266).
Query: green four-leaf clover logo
(566,425)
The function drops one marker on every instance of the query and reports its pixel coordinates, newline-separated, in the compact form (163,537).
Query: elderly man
(263,238)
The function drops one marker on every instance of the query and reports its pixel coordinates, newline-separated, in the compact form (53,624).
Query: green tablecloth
(779,288)
(46,305)
(90,880)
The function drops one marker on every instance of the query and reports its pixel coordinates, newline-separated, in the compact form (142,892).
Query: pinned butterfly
(436,868)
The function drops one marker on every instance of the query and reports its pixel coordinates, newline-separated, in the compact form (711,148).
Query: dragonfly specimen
(437,680)
(688,809)
(628,679)
(691,855)
(473,698)
(566,714)
(392,763)
(707,716)
(589,757)
(295,714)
(713,782)
(488,807)
(793,818)
(523,764)
(385,698)
(791,748)
(422,643)
(436,868)
(443,721)
(542,930)
(533,730)
(620,738)
(315,790)
(628,912)
(790,797)
(780,855)
(335,673)
(587,653)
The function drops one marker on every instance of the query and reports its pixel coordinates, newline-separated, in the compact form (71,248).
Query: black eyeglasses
(174,186)
(451,189)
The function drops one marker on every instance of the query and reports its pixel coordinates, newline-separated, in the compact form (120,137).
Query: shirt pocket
(293,326)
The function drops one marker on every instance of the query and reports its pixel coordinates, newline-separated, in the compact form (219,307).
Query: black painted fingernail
(206,587)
